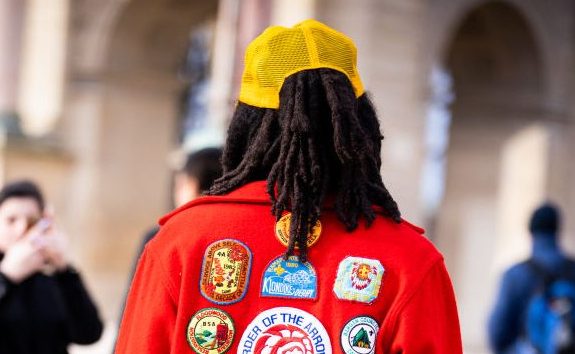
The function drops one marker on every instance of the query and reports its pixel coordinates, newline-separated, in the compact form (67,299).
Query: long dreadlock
(321,140)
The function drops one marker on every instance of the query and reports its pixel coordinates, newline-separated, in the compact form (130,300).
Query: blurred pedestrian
(199,171)
(304,250)
(44,305)
(194,178)
(522,320)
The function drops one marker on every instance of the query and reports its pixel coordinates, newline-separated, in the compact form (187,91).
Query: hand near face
(26,255)
(29,240)
(55,248)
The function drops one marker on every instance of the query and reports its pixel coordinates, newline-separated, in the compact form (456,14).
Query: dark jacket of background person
(44,305)
(44,314)
(507,322)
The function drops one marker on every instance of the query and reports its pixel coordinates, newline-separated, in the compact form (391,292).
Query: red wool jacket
(213,280)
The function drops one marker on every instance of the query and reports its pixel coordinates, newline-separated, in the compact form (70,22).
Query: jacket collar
(251,193)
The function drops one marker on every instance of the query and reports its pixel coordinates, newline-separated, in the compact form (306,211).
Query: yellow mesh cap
(280,52)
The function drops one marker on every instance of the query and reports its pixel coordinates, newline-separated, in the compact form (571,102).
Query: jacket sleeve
(148,236)
(84,325)
(150,314)
(426,321)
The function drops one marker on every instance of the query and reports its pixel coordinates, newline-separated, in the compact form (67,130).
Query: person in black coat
(44,305)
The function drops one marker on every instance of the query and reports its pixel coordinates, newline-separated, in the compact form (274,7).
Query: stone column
(220,102)
(254,18)
(11,12)
(289,12)
(42,72)
(238,22)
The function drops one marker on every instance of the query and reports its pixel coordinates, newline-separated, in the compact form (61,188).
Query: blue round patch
(289,279)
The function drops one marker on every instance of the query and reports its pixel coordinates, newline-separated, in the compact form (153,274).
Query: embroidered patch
(282,231)
(225,271)
(290,279)
(358,335)
(358,279)
(285,330)
(210,331)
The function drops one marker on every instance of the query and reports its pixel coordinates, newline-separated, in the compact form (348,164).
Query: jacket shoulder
(414,227)
(206,200)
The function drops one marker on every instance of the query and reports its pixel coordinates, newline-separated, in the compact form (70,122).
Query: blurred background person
(192,178)
(199,171)
(519,322)
(44,305)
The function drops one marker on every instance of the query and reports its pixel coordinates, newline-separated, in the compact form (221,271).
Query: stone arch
(496,157)
(445,17)
(142,92)
(494,47)
(122,114)
(140,103)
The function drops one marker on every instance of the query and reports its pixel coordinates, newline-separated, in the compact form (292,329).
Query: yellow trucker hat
(280,52)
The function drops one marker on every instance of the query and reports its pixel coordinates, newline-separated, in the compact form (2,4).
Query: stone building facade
(475,98)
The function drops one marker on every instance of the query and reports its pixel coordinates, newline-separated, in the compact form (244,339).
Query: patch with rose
(285,330)
(225,271)
(358,279)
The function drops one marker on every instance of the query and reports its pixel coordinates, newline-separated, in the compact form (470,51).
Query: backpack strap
(544,275)
(541,271)
(568,270)
(547,277)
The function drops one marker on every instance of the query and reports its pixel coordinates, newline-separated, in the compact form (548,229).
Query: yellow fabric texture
(280,52)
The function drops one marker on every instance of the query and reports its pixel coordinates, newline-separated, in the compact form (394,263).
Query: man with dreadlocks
(333,268)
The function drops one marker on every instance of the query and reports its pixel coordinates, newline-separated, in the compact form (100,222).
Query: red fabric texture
(415,307)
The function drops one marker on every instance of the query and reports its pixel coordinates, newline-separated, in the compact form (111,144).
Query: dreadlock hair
(322,140)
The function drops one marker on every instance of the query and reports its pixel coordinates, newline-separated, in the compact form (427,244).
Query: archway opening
(140,110)
(496,156)
(142,105)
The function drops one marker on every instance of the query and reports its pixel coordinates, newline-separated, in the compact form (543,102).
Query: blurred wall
(122,122)
(507,129)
